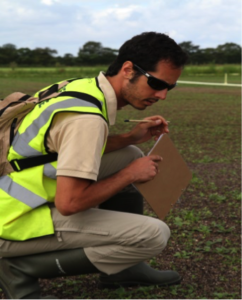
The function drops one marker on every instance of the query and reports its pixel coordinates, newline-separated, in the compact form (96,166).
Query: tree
(8,54)
(69,59)
(25,56)
(92,48)
(229,53)
(93,53)
(191,50)
(208,56)
(189,47)
(43,56)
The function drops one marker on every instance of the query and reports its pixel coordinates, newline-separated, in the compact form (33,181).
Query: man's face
(140,95)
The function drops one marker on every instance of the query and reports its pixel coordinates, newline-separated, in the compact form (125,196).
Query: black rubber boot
(19,275)
(129,200)
(140,275)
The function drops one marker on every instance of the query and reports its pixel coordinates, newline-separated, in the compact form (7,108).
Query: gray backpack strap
(52,91)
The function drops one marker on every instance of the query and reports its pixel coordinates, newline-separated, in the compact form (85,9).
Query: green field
(22,79)
(205,126)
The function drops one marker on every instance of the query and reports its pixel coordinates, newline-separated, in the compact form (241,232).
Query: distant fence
(212,83)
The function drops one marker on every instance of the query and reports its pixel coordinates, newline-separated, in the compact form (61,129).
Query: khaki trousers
(112,241)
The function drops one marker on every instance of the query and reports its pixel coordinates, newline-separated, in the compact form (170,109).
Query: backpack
(13,109)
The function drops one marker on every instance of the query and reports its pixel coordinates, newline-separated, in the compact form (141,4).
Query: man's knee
(133,152)
(157,234)
(115,161)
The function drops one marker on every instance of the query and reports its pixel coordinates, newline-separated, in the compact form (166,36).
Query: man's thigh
(91,228)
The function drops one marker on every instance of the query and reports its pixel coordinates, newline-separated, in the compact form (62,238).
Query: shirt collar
(110,96)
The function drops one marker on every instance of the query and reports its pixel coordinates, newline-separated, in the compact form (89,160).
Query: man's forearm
(116,142)
(76,194)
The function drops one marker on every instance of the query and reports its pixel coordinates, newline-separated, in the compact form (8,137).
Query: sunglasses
(155,83)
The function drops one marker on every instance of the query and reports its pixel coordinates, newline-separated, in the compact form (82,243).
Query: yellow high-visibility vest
(25,195)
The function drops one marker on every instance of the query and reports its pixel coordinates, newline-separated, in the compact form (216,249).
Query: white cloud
(67,25)
(118,13)
(49,2)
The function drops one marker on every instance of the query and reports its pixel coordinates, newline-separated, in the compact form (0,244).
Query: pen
(143,121)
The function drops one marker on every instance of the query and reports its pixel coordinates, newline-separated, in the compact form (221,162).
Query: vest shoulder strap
(30,162)
(83,96)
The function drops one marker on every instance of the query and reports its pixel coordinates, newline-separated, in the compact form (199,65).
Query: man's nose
(161,94)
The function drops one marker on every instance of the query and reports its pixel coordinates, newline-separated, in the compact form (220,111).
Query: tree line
(93,53)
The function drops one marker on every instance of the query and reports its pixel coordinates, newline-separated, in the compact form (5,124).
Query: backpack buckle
(15,165)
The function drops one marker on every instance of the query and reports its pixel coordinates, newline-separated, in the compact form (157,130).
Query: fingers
(157,126)
(155,163)
(153,167)
(155,157)
(158,132)
(157,120)
(145,168)
(156,168)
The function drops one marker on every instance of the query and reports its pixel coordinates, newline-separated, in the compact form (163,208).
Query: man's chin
(139,105)
(143,107)
(139,108)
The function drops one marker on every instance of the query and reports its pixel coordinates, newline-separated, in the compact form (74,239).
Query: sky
(66,25)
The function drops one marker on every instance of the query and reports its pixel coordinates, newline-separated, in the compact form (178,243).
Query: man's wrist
(120,140)
(127,175)
(127,139)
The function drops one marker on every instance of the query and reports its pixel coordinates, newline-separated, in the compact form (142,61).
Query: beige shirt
(79,138)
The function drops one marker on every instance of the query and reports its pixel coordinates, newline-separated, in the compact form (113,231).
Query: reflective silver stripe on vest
(23,147)
(49,171)
(21,141)
(20,193)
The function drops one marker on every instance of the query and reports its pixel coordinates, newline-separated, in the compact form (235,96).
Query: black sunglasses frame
(155,83)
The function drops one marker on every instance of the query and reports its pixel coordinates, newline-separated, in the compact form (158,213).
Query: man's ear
(127,70)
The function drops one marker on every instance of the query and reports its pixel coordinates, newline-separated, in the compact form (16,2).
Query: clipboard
(165,189)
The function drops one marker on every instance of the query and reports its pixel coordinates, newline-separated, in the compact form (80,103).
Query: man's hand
(143,131)
(145,168)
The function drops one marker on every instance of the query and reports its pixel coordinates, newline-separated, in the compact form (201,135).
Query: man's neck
(116,84)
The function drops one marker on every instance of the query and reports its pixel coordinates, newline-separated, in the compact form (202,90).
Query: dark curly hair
(146,50)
